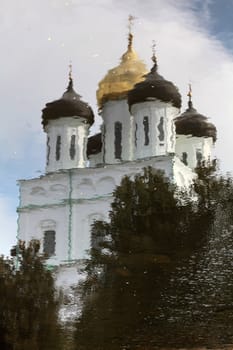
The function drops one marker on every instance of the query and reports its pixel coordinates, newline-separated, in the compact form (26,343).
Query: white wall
(183,176)
(69,201)
(117,111)
(95,160)
(191,144)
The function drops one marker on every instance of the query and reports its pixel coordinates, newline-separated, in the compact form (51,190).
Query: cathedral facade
(142,126)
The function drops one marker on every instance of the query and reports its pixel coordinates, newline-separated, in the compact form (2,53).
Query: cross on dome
(153,51)
(70,85)
(130,35)
(190,94)
(70,70)
(122,78)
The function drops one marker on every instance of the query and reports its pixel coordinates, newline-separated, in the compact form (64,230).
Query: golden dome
(121,79)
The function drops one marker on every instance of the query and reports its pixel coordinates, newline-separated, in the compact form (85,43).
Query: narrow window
(49,242)
(103,142)
(58,147)
(173,135)
(198,156)
(185,158)
(135,135)
(118,139)
(72,147)
(96,240)
(161,129)
(48,150)
(146,130)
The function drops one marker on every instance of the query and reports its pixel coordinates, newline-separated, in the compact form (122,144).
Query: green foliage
(152,273)
(28,302)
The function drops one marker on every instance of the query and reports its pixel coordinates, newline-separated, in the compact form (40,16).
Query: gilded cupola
(121,79)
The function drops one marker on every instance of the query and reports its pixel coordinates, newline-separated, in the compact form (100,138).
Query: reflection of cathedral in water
(141,126)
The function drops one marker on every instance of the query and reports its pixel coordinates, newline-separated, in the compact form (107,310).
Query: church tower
(154,103)
(195,136)
(117,128)
(66,122)
(51,207)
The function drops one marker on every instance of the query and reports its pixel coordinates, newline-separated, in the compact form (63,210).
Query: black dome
(68,106)
(193,123)
(154,86)
(94,144)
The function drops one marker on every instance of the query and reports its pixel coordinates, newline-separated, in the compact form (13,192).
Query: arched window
(185,158)
(199,156)
(72,147)
(118,139)
(48,150)
(146,130)
(49,242)
(96,239)
(58,147)
(104,141)
(135,135)
(161,129)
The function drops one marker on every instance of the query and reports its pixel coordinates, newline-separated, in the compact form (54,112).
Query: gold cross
(189,94)
(153,51)
(70,70)
(130,23)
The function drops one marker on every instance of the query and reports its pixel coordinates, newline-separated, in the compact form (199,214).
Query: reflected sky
(40,38)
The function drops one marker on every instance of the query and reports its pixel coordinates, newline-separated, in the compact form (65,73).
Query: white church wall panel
(33,223)
(83,217)
(85,188)
(63,157)
(117,112)
(105,184)
(158,118)
(191,145)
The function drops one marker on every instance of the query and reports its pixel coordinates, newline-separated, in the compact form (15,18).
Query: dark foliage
(151,276)
(28,303)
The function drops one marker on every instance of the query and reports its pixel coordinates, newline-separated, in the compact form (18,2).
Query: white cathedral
(142,126)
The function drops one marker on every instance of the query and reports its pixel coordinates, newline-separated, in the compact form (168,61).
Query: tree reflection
(28,302)
(161,271)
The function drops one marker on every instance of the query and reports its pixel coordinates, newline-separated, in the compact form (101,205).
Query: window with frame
(49,242)
(161,129)
(118,140)
(185,158)
(72,147)
(135,135)
(146,130)
(58,147)
(104,142)
(199,156)
(48,150)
